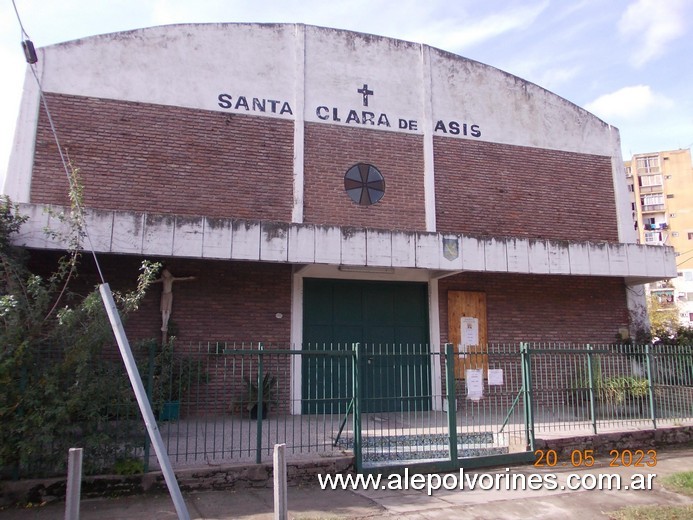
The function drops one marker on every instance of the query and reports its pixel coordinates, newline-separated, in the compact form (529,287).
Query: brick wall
(228,301)
(502,190)
(543,308)
(331,150)
(165,159)
(173,160)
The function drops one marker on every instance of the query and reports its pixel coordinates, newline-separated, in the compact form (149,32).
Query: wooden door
(468,304)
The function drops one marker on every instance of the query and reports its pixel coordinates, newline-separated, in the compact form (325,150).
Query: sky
(630,62)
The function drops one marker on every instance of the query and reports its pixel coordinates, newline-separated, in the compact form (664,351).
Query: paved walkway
(311,502)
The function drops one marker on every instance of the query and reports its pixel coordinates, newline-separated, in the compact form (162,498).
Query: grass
(654,513)
(679,483)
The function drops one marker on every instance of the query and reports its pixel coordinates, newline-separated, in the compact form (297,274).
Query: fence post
(650,386)
(260,377)
(150,391)
(452,399)
(526,365)
(590,377)
(280,502)
(74,484)
(358,457)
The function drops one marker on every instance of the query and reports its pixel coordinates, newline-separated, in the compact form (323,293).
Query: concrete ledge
(39,491)
(222,477)
(624,440)
(122,232)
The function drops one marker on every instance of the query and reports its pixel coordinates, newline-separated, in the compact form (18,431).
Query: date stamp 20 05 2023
(586,458)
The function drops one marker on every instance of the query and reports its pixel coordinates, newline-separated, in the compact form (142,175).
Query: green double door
(389,321)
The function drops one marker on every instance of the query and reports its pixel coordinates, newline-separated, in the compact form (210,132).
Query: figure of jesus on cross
(167,280)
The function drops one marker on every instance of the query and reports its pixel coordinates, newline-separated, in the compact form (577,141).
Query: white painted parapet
(144,234)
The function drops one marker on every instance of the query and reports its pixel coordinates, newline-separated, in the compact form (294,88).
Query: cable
(25,36)
(684,253)
(66,167)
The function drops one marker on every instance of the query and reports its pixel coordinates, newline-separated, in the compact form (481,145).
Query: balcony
(651,208)
(657,188)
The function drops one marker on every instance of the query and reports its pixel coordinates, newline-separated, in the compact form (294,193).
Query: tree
(664,316)
(56,388)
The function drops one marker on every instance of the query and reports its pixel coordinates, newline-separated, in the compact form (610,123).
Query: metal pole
(650,386)
(143,401)
(150,392)
(529,398)
(590,377)
(358,457)
(452,399)
(281,510)
(74,483)
(259,404)
(523,391)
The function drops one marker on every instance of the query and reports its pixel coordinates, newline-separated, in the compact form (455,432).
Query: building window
(631,188)
(653,237)
(674,233)
(672,215)
(650,180)
(652,202)
(364,184)
(688,276)
(670,196)
(648,164)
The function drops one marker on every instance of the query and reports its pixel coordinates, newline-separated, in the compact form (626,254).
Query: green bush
(57,389)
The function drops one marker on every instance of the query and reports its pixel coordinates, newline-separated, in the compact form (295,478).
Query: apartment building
(661,188)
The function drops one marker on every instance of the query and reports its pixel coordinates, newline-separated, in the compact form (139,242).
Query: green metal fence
(389,405)
(605,387)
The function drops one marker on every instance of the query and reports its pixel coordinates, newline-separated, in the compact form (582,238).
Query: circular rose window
(364,184)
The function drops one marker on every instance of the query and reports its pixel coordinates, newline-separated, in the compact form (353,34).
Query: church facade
(331,187)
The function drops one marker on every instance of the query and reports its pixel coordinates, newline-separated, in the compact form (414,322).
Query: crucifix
(365,93)
(167,280)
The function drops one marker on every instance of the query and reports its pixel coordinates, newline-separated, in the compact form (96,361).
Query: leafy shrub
(57,390)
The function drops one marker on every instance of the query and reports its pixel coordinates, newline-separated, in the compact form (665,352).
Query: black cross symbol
(365,93)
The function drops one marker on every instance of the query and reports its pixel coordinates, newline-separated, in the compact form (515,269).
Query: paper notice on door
(469,331)
(475,384)
(495,376)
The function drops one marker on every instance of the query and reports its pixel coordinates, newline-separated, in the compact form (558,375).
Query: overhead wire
(25,36)
(26,44)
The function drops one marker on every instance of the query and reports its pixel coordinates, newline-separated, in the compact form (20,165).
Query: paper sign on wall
(475,384)
(495,376)
(469,331)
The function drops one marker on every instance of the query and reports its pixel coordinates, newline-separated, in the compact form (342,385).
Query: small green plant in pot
(173,376)
(269,394)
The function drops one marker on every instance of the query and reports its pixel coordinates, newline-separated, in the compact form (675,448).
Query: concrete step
(392,449)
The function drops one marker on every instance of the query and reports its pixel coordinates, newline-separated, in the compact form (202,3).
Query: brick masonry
(227,301)
(501,190)
(173,160)
(165,159)
(331,150)
(543,308)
